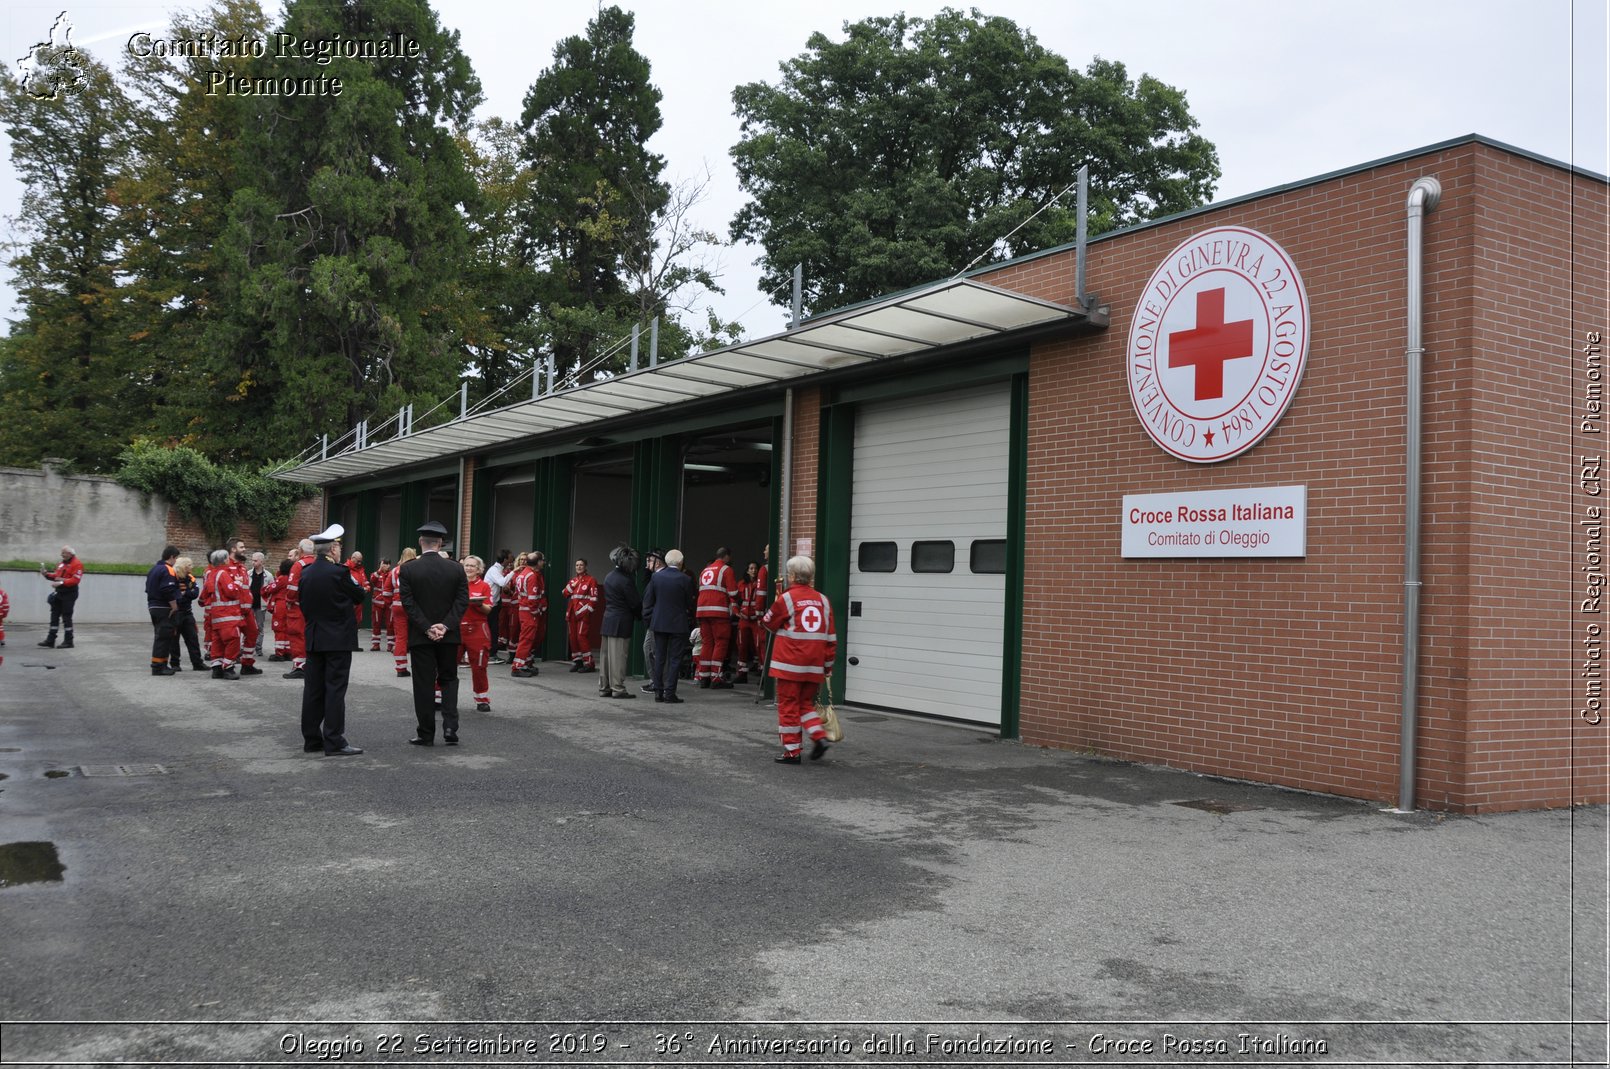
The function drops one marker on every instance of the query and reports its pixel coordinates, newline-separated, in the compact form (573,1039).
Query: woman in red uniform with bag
(801,658)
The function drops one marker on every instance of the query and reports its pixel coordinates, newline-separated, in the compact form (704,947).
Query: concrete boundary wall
(104,599)
(43,509)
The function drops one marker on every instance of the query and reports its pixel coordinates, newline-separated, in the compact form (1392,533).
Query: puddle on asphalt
(29,863)
(56,773)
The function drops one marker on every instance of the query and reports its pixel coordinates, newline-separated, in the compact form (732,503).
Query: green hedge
(90,567)
(213,495)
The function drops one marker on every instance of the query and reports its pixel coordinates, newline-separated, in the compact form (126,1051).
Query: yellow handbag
(825,710)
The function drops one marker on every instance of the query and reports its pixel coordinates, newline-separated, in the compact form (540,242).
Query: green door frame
(551,501)
(656,511)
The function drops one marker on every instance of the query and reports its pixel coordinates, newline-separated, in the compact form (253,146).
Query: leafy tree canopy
(898,155)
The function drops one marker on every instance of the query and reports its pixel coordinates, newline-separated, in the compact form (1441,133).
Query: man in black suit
(435,592)
(668,607)
(327,596)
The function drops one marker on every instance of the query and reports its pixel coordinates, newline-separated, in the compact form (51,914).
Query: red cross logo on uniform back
(810,618)
(1209,344)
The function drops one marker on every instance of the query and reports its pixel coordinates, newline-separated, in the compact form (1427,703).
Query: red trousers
(715,639)
(478,657)
(527,646)
(748,643)
(298,631)
(282,631)
(248,637)
(581,637)
(399,636)
(796,709)
(226,643)
(378,625)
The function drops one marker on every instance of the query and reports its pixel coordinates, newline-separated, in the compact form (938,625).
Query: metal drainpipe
(1423,197)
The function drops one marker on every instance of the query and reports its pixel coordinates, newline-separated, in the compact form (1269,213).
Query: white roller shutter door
(929,469)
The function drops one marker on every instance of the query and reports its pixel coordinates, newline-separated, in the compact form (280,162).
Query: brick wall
(461,543)
(1288,671)
(803,472)
(192,540)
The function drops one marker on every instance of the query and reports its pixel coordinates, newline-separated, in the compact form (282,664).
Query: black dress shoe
(704,684)
(228,673)
(818,748)
(658,698)
(575,666)
(417,741)
(451,740)
(787,759)
(218,671)
(161,670)
(648,688)
(403,673)
(625,694)
(196,666)
(345,751)
(313,747)
(483,707)
(673,700)
(721,686)
(295,673)
(177,667)
(251,670)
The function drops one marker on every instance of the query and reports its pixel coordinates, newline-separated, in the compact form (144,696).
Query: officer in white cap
(328,594)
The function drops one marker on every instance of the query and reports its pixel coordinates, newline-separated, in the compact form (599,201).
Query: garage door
(927,554)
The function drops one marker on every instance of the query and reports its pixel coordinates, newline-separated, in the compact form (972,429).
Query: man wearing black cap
(327,595)
(434,592)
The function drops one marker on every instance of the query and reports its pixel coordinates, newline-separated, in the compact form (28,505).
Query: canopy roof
(929,319)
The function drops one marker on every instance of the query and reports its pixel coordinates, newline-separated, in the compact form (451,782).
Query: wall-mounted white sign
(1267,521)
(1218,344)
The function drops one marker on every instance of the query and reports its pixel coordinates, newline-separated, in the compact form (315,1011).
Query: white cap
(330,534)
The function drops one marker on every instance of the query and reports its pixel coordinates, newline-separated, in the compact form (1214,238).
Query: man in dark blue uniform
(434,592)
(327,595)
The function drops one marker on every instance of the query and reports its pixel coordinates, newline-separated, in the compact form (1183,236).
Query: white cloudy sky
(1286,90)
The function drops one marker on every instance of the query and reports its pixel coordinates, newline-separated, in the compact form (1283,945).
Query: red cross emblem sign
(1218,344)
(810,619)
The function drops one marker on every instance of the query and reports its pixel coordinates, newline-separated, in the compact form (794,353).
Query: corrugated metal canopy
(931,318)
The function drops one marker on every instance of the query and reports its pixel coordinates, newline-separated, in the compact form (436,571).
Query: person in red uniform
(801,658)
(280,595)
(531,597)
(717,608)
(380,603)
(359,576)
(293,610)
(64,582)
(239,562)
(220,592)
(399,615)
(752,601)
(5,611)
(475,634)
(583,622)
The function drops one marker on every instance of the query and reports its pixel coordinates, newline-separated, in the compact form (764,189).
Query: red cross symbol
(810,618)
(1209,344)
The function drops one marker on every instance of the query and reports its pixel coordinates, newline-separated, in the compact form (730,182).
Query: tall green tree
(596,187)
(342,259)
(75,380)
(503,339)
(898,155)
(189,164)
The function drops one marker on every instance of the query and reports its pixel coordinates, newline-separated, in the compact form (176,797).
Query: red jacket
(718,592)
(69,572)
(473,629)
(293,590)
(806,642)
(582,592)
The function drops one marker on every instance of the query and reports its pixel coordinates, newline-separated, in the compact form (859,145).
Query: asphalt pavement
(604,882)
